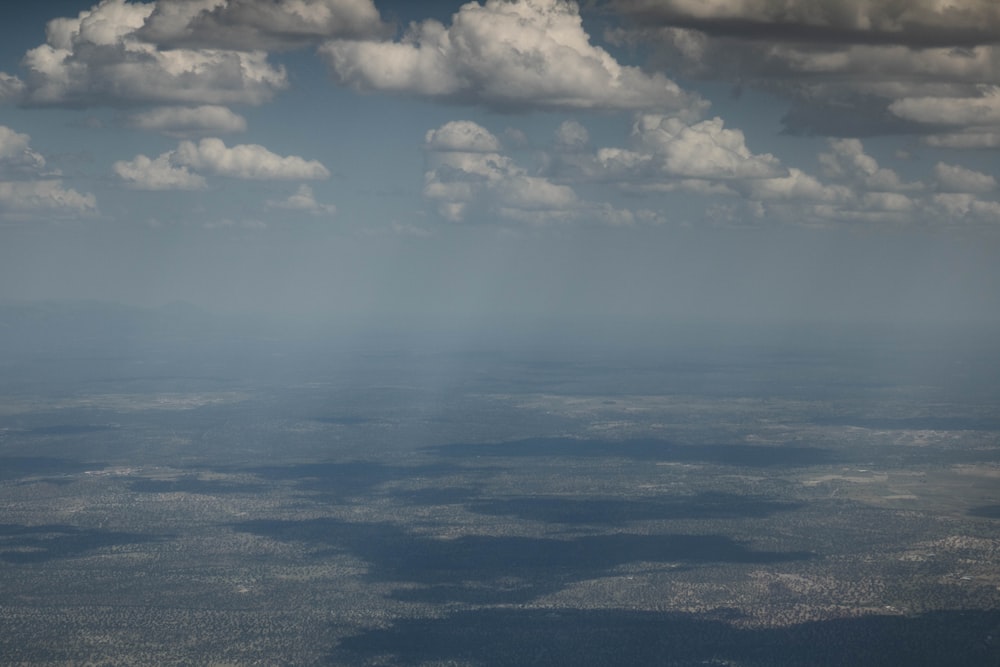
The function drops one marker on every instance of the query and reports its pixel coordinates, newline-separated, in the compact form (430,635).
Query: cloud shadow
(986,511)
(338,481)
(14,467)
(621,637)
(500,569)
(40,544)
(707,505)
(742,455)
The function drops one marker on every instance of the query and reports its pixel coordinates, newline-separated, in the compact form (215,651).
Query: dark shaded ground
(15,467)
(337,481)
(592,638)
(481,569)
(40,544)
(645,450)
(409,442)
(987,511)
(707,505)
(448,495)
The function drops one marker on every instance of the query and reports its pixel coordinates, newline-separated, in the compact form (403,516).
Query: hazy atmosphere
(339,159)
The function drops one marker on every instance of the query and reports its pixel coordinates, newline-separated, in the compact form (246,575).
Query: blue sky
(626,159)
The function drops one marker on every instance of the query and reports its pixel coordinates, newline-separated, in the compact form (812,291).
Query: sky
(624,160)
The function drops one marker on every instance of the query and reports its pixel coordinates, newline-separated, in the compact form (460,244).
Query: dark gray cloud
(250,24)
(849,116)
(850,68)
(917,24)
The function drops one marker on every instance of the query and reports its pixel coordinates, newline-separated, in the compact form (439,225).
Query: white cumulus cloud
(246,161)
(143,173)
(464,178)
(703,150)
(99,59)
(178,169)
(666,151)
(504,55)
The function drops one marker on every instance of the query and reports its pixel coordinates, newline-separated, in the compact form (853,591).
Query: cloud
(142,173)
(11,88)
(973,138)
(887,201)
(956,122)
(177,169)
(571,136)
(802,199)
(25,200)
(29,189)
(861,191)
(702,150)
(798,187)
(17,159)
(623,217)
(982,109)
(189,121)
(666,152)
(252,24)
(246,161)
(847,161)
(504,55)
(850,67)
(955,178)
(304,201)
(465,178)
(965,207)
(99,59)
(461,135)
(915,23)
(469,177)
(666,155)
